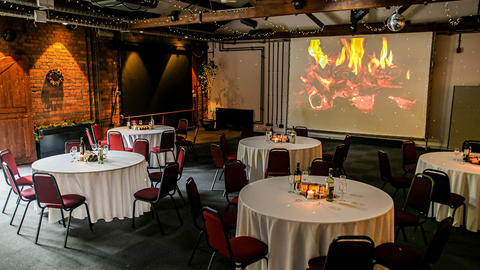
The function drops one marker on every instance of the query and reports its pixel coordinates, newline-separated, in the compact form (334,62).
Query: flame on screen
(328,78)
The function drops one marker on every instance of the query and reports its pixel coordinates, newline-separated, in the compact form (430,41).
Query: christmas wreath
(55,77)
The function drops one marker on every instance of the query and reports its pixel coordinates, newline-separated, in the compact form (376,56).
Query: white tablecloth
(253,152)
(464,180)
(108,187)
(152,135)
(297,229)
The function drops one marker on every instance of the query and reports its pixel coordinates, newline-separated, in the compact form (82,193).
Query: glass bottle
(330,187)
(152,123)
(298,176)
(129,126)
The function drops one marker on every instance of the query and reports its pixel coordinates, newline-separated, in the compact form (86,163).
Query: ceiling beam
(315,19)
(271,8)
(207,4)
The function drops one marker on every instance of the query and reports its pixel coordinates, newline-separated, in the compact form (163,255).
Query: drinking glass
(94,147)
(105,151)
(305,176)
(342,185)
(291,181)
(457,154)
(73,152)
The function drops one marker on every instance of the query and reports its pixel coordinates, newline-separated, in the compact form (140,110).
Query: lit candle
(310,194)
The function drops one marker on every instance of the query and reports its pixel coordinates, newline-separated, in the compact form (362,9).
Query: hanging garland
(55,77)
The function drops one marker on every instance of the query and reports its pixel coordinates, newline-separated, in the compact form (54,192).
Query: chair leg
(424,235)
(6,201)
(158,160)
(39,225)
(404,194)
(90,224)
(14,212)
(68,228)
(133,214)
(181,196)
(211,261)
(214,179)
(23,217)
(195,247)
(383,186)
(63,218)
(396,235)
(176,209)
(403,233)
(394,193)
(156,217)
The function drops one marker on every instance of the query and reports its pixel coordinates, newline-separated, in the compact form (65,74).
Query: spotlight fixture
(249,22)
(298,4)
(355,17)
(396,22)
(173,16)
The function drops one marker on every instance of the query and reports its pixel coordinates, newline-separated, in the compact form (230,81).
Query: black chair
(301,131)
(218,162)
(167,145)
(398,182)
(346,252)
(441,192)
(399,257)
(475,145)
(409,157)
(339,158)
(415,210)
(235,180)
(321,167)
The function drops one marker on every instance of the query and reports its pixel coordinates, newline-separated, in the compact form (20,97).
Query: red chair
(224,147)
(91,141)
(278,162)
(399,257)
(398,182)
(415,210)
(25,195)
(98,135)
(7,157)
(70,144)
(409,157)
(167,145)
(301,131)
(115,142)
(141,146)
(321,167)
(346,252)
(49,196)
(241,250)
(196,206)
(152,195)
(182,129)
(218,162)
(235,180)
(187,143)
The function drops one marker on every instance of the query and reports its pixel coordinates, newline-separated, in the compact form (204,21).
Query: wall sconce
(298,4)
(173,16)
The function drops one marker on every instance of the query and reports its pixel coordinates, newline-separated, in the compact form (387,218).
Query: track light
(249,22)
(298,4)
(396,22)
(173,16)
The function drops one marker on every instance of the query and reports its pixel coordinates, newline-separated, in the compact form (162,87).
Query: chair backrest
(350,252)
(419,194)
(182,126)
(91,141)
(7,156)
(181,161)
(70,144)
(46,190)
(167,141)
(115,141)
(194,200)
(278,162)
(384,165)
(339,156)
(409,153)
(321,167)
(439,240)
(217,155)
(97,132)
(10,178)
(235,176)
(346,141)
(169,180)
(216,233)
(441,187)
(141,146)
(246,133)
(301,131)
(196,133)
(224,145)
(471,143)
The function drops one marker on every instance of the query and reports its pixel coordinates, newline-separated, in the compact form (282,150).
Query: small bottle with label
(298,176)
(330,186)
(152,123)
(129,126)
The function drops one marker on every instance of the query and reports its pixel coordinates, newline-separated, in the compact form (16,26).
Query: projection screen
(372,85)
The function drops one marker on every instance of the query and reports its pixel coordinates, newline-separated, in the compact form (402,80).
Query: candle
(310,194)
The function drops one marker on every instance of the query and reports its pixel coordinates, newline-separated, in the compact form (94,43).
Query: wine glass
(291,181)
(73,152)
(105,151)
(457,153)
(305,176)
(342,185)
(94,147)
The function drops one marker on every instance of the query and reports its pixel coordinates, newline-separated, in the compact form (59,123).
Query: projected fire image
(354,74)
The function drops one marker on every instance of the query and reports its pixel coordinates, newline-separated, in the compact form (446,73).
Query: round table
(152,135)
(253,152)
(464,180)
(297,229)
(108,187)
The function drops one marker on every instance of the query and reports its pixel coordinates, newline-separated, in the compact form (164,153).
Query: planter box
(53,141)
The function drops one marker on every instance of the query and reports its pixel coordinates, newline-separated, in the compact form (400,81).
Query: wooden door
(16,122)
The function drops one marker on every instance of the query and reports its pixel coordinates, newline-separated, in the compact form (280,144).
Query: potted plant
(206,78)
